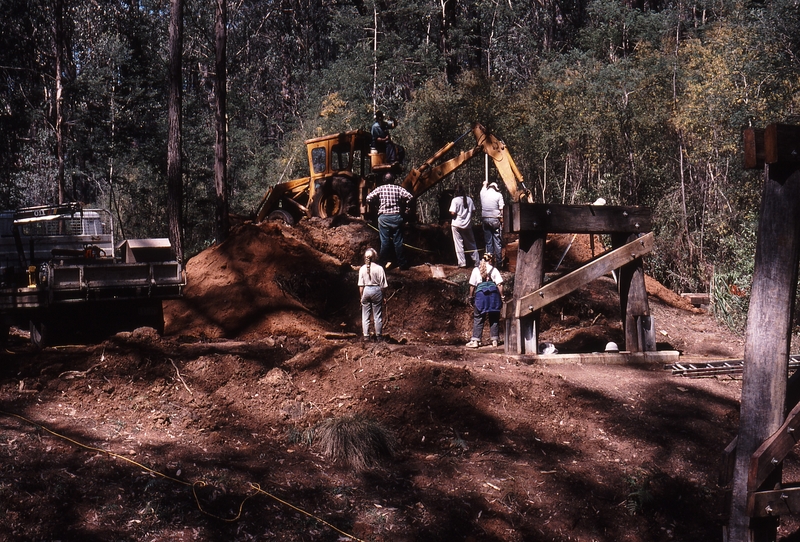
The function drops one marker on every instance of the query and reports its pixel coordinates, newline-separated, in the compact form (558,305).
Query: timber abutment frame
(630,228)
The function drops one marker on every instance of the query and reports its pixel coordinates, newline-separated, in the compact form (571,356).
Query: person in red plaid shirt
(393,199)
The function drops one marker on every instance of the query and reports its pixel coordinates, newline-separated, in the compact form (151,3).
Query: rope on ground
(404,244)
(194,485)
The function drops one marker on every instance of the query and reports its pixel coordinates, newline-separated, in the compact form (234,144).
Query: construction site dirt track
(207,433)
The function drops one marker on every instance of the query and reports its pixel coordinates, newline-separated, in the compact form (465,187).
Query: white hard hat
(612,347)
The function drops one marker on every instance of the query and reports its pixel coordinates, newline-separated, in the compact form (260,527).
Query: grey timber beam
(552,218)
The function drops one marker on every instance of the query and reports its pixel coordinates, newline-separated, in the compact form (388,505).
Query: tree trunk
(59,120)
(174,146)
(220,119)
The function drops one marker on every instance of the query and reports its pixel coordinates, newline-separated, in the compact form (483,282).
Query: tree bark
(220,121)
(174,143)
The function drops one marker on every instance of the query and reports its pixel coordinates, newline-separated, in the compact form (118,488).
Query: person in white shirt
(461,210)
(492,220)
(371,285)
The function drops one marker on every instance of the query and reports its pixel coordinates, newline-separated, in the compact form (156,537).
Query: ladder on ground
(718,367)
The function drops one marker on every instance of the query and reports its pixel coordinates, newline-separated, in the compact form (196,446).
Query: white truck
(62,276)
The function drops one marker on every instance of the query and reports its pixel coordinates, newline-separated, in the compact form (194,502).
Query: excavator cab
(339,164)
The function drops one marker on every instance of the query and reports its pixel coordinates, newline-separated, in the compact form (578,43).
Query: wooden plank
(574,280)
(697,298)
(753,141)
(778,502)
(437,272)
(551,218)
(605,358)
(782,144)
(766,357)
(774,450)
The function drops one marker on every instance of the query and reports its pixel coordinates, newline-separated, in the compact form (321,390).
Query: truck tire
(337,196)
(326,204)
(282,216)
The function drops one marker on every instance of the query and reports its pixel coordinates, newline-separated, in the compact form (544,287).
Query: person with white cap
(371,286)
(492,219)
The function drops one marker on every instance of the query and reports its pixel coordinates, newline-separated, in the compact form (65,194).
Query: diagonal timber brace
(557,289)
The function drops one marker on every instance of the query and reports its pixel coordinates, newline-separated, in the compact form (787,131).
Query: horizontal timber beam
(777,144)
(606,263)
(777,502)
(551,218)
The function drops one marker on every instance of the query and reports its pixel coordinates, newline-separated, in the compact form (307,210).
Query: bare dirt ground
(206,433)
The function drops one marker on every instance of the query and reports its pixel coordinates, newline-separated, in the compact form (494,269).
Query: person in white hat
(492,219)
(371,287)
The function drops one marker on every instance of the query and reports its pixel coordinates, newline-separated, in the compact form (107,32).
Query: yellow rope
(404,244)
(194,485)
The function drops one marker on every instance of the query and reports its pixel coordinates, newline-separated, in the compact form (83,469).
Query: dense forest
(640,102)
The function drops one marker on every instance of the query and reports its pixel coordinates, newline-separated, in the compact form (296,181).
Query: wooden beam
(777,502)
(697,298)
(521,334)
(557,289)
(636,321)
(550,218)
(753,141)
(652,359)
(782,144)
(767,341)
(774,450)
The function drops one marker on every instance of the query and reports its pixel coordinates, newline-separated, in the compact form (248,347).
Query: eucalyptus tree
(221,120)
(174,137)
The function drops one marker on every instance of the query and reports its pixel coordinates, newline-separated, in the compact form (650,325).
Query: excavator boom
(422,178)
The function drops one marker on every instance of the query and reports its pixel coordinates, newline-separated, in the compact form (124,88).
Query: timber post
(521,333)
(760,446)
(632,239)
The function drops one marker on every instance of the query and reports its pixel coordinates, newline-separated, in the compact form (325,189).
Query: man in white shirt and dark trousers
(461,210)
(492,220)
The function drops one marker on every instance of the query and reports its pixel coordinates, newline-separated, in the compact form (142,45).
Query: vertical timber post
(636,320)
(767,340)
(521,334)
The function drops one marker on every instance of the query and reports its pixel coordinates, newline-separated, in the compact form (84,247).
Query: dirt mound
(274,280)
(259,282)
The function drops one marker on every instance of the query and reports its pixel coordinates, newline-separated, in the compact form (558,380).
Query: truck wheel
(283,216)
(327,204)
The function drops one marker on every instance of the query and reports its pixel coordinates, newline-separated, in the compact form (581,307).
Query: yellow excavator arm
(430,172)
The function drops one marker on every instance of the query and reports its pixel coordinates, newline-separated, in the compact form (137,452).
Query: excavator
(343,170)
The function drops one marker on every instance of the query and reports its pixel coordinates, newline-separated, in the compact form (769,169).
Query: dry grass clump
(357,441)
